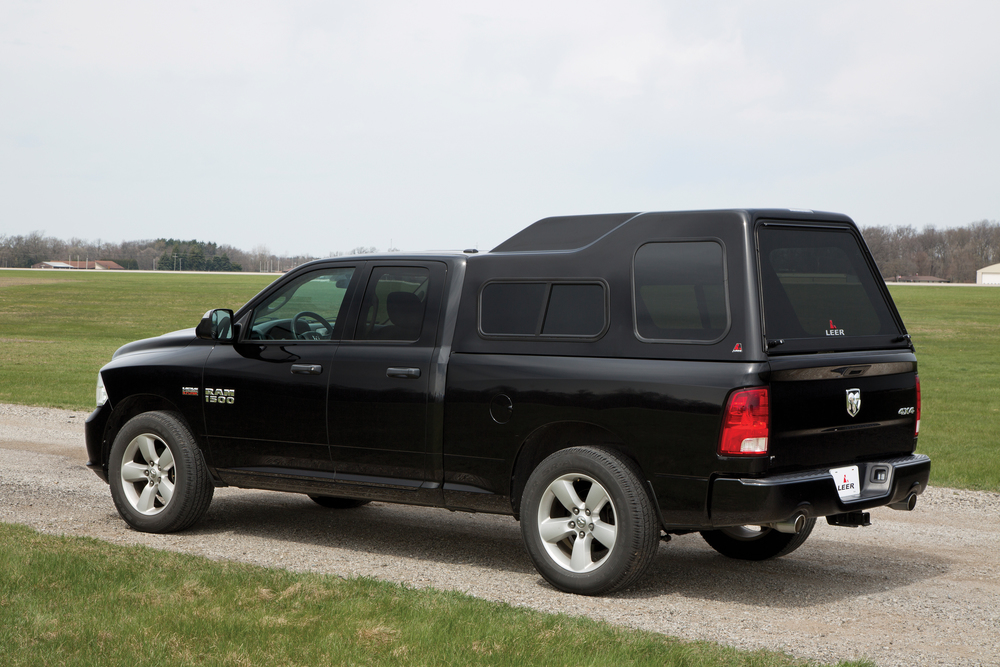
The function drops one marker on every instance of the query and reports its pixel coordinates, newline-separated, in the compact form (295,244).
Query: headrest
(405,310)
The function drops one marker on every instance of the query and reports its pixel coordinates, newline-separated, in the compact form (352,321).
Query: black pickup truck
(608,380)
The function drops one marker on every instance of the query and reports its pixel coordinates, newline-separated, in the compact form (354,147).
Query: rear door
(379,386)
(843,381)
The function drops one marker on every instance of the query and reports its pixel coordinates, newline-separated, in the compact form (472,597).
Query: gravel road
(916,588)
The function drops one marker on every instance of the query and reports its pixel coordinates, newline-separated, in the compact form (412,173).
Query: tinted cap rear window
(820,292)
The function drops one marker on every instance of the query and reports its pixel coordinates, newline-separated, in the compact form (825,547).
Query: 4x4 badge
(853,402)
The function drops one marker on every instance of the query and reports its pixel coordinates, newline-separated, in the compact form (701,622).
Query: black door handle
(307,369)
(404,373)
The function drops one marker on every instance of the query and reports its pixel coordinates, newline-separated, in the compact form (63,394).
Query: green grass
(79,601)
(956,331)
(58,328)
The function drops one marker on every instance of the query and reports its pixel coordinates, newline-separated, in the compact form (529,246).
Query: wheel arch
(555,436)
(129,408)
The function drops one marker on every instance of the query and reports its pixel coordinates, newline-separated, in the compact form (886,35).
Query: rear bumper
(95,427)
(753,501)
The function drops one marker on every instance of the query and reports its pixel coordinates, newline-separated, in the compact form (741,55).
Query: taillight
(744,423)
(916,429)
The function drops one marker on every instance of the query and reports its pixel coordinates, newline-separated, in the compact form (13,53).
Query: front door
(378,415)
(265,396)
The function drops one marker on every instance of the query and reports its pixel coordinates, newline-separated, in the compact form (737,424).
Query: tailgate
(841,413)
(844,377)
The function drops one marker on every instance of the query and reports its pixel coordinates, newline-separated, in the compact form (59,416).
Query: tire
(612,548)
(159,480)
(338,503)
(756,542)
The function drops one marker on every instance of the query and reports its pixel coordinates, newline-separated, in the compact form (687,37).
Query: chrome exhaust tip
(792,526)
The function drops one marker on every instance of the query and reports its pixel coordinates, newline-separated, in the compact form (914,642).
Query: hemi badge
(189,391)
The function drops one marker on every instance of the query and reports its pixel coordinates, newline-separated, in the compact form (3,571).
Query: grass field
(956,331)
(58,328)
(76,601)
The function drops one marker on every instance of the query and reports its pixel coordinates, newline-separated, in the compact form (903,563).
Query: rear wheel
(335,503)
(756,542)
(587,521)
(159,481)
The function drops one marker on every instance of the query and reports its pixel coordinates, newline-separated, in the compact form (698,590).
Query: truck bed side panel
(664,413)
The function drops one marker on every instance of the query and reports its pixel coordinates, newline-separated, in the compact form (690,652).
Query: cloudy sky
(313,127)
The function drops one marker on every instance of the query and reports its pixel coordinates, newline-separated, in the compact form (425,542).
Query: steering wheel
(309,334)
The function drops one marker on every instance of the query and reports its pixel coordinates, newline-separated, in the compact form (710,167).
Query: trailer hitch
(850,519)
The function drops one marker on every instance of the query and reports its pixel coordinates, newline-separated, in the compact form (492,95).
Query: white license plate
(848,482)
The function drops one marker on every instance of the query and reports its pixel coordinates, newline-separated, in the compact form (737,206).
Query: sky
(315,127)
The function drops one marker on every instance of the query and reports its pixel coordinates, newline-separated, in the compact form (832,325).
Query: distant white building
(52,265)
(99,265)
(988,276)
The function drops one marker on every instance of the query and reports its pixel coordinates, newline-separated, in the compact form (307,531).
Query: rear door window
(820,292)
(394,304)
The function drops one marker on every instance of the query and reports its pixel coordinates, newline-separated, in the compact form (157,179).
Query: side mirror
(216,325)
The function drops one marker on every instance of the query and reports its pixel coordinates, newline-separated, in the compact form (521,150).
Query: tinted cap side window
(543,309)
(680,292)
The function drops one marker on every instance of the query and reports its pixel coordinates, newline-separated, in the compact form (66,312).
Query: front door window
(307,309)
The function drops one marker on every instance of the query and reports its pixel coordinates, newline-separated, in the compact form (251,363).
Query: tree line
(954,254)
(147,255)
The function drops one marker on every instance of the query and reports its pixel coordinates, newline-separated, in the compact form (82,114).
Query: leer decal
(846,486)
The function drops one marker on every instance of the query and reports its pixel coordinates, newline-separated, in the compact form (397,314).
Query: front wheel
(159,481)
(756,542)
(587,521)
